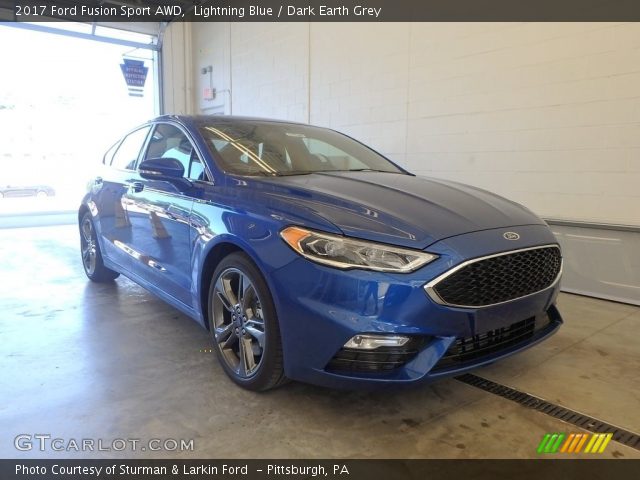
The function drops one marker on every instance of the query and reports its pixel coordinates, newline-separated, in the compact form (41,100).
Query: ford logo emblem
(511,235)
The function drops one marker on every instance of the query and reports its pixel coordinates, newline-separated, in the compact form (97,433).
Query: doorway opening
(64,101)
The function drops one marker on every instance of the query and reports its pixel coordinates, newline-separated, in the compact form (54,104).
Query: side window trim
(142,148)
(111,151)
(145,146)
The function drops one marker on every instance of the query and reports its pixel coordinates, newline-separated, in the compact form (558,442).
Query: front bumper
(321,308)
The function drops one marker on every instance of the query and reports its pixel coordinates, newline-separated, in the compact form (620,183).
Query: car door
(19,192)
(159,213)
(108,190)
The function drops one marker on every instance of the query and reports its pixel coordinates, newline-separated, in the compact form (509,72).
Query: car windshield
(275,149)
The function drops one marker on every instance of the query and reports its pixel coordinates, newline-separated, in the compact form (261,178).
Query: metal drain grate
(578,419)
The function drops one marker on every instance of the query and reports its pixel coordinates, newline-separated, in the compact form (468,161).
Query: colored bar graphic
(583,440)
(573,442)
(566,444)
(596,445)
(599,443)
(578,438)
(558,443)
(594,437)
(552,440)
(606,441)
(544,441)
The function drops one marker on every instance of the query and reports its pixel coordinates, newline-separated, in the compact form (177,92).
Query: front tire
(244,326)
(91,255)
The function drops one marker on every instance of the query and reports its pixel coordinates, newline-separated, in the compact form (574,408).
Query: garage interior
(545,114)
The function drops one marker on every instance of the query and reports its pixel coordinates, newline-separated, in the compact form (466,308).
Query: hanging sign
(135,74)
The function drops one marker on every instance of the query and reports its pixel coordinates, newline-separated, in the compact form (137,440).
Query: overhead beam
(87,36)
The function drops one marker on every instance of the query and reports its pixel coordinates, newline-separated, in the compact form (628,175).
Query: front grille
(382,359)
(467,349)
(500,278)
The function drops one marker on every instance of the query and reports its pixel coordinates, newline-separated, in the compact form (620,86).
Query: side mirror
(161,169)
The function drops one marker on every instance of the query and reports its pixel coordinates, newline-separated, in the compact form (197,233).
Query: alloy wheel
(88,247)
(239,326)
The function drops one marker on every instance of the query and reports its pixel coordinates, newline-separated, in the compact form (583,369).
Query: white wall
(269,81)
(547,114)
(177,69)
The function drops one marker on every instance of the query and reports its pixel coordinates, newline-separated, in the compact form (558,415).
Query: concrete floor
(82,360)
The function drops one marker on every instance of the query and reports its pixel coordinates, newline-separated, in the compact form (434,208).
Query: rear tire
(244,326)
(90,251)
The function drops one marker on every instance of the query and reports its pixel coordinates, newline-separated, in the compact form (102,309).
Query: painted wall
(547,114)
(177,70)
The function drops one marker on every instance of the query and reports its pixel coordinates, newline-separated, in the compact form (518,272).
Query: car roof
(213,119)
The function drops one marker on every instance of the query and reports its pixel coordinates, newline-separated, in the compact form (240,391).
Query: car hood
(394,208)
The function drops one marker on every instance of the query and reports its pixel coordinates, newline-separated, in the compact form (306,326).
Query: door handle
(136,187)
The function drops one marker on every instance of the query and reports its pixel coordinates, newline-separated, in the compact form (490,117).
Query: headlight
(343,252)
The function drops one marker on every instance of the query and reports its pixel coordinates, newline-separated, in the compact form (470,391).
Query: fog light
(371,342)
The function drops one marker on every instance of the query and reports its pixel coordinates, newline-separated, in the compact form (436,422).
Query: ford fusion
(309,256)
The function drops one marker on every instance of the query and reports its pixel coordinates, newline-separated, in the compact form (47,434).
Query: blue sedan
(309,256)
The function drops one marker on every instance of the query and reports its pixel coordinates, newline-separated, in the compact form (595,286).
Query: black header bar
(322,10)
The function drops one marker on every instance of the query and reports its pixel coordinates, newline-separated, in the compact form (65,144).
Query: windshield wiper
(309,172)
(255,174)
(295,172)
(357,170)
(364,170)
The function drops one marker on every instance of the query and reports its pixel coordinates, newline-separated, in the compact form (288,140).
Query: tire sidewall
(101,273)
